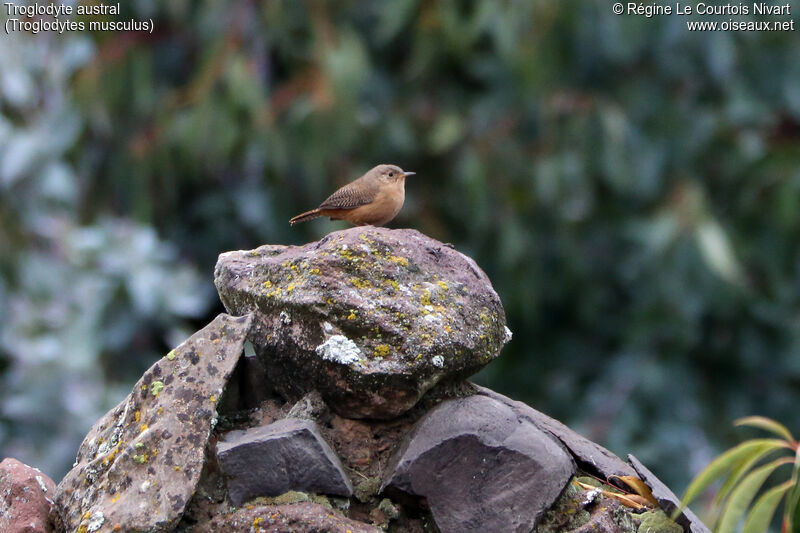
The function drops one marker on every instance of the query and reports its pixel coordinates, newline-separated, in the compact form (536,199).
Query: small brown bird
(373,199)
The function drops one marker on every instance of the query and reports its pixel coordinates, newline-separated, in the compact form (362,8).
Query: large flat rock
(372,318)
(139,465)
(589,455)
(480,467)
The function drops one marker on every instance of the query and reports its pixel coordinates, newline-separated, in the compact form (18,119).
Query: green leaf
(791,514)
(717,251)
(743,494)
(760,516)
(766,424)
(724,464)
(741,468)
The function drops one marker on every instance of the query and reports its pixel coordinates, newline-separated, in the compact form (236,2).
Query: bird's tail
(308,215)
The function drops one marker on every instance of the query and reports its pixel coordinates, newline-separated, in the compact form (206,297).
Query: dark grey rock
(289,454)
(139,465)
(480,467)
(591,457)
(667,499)
(372,318)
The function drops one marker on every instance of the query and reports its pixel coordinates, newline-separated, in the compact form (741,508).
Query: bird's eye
(391,174)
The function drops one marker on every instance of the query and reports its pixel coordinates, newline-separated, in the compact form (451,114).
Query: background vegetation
(631,188)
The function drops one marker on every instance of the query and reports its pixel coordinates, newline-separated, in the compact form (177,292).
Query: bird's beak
(407,174)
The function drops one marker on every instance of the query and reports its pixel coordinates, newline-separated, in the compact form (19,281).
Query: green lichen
(276,292)
(388,508)
(566,514)
(156,387)
(382,350)
(346,253)
(425,298)
(360,283)
(399,260)
(171,355)
(290,497)
(367,488)
(657,522)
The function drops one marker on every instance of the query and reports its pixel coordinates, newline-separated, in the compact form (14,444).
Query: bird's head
(391,173)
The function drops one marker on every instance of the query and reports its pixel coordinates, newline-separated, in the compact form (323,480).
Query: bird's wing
(352,195)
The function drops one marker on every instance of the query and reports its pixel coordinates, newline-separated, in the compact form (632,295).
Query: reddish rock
(372,318)
(26,498)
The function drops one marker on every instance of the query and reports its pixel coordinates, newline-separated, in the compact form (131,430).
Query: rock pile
(352,412)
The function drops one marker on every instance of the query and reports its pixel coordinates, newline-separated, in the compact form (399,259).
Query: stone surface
(289,454)
(667,499)
(298,518)
(480,467)
(590,456)
(26,498)
(372,318)
(139,465)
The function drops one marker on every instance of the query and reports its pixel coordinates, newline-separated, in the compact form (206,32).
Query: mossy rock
(372,318)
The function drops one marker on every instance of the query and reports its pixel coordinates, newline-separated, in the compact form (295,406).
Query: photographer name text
(701,8)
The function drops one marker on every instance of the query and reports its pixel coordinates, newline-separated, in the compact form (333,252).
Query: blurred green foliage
(630,187)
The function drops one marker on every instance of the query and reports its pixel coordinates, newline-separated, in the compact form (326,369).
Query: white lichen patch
(508,335)
(285,318)
(40,481)
(438,361)
(339,349)
(144,486)
(95,521)
(591,496)
(327,328)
